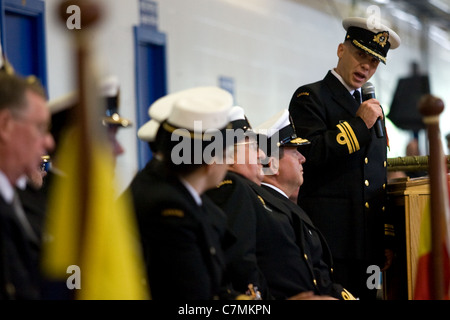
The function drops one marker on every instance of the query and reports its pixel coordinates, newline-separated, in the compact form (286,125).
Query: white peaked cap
(63,102)
(277,122)
(158,111)
(109,86)
(147,132)
(364,23)
(210,105)
(280,123)
(236,113)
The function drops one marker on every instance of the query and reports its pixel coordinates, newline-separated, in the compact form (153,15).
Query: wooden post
(86,113)
(431,107)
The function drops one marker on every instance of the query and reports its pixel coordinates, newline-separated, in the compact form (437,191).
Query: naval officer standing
(345,175)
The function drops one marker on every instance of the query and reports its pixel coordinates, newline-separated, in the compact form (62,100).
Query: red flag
(423,288)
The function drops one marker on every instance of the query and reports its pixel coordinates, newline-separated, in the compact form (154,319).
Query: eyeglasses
(247,142)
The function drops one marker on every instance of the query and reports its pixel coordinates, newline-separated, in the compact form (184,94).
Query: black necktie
(357,96)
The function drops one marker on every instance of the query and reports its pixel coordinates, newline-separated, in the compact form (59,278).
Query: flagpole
(86,113)
(430,108)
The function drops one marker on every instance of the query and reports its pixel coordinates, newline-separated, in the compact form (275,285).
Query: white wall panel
(268,47)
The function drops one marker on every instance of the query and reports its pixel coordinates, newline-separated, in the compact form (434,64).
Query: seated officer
(35,196)
(110,92)
(182,231)
(62,113)
(297,258)
(234,196)
(24,139)
(265,237)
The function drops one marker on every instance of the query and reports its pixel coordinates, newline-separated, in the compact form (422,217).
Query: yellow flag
(99,236)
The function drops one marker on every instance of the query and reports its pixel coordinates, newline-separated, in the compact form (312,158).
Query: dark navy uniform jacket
(344,190)
(284,253)
(19,264)
(182,241)
(234,196)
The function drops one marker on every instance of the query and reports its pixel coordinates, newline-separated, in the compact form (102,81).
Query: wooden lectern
(407,201)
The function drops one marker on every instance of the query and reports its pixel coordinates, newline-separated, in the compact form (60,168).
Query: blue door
(23,36)
(150,48)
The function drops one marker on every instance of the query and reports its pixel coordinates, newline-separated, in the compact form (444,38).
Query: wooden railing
(411,163)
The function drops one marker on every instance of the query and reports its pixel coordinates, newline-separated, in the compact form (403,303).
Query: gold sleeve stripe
(347,136)
(346,295)
(342,139)
(352,135)
(389,230)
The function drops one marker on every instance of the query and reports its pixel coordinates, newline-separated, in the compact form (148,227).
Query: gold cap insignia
(381,38)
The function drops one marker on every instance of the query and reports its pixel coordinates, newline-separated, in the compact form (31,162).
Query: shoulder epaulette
(304,93)
(225,182)
(172,213)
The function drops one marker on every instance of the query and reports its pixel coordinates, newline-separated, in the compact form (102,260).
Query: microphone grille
(368,88)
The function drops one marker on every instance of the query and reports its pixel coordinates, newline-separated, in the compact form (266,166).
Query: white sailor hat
(279,127)
(63,102)
(238,119)
(147,132)
(204,108)
(110,91)
(240,125)
(193,98)
(199,119)
(158,111)
(374,38)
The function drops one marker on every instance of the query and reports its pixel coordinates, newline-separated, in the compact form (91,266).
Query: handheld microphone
(368,92)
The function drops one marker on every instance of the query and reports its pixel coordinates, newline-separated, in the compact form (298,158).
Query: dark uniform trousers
(282,250)
(344,189)
(182,241)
